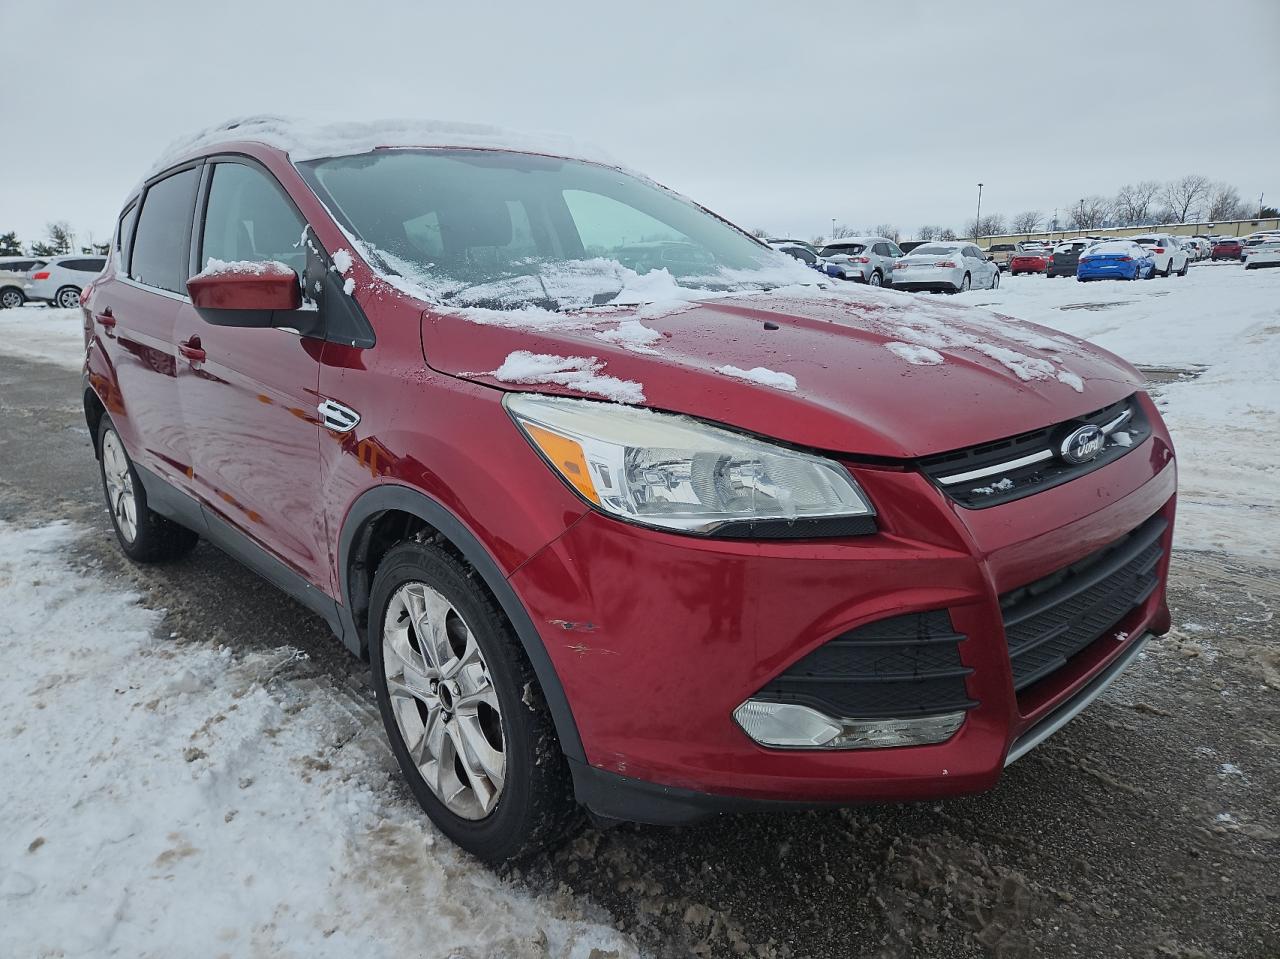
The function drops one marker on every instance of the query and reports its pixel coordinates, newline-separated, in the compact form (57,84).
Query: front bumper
(657,638)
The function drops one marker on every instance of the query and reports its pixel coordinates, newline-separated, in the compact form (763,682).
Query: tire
(11,298)
(875,279)
(1168,269)
(1185,267)
(966,284)
(995,281)
(144,535)
(479,663)
(67,298)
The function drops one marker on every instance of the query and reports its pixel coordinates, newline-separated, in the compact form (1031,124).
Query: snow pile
(779,381)
(581,373)
(916,355)
(631,335)
(216,267)
(342,262)
(38,333)
(305,140)
(159,793)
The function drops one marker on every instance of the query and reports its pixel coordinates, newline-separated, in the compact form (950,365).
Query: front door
(249,395)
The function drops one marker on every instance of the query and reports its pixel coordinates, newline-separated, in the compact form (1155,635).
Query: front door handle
(191,350)
(105,319)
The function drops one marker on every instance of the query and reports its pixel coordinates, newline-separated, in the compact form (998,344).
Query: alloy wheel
(444,701)
(10,300)
(68,299)
(875,279)
(119,481)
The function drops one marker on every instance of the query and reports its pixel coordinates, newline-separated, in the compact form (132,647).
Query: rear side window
(124,237)
(162,240)
(90,265)
(249,218)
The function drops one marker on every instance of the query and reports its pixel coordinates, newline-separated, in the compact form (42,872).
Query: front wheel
(1186,265)
(68,298)
(875,279)
(995,280)
(144,535)
(462,708)
(966,283)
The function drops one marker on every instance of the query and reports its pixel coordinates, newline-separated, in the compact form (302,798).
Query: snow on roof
(304,140)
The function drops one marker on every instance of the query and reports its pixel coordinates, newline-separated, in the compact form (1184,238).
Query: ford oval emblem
(1082,445)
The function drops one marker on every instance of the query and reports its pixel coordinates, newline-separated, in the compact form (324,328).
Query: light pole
(977,220)
(833,229)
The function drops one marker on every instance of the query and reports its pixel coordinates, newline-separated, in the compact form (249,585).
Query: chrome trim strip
(130,281)
(1073,707)
(997,468)
(1027,460)
(1115,423)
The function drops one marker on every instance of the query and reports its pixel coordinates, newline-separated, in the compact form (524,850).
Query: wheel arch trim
(405,499)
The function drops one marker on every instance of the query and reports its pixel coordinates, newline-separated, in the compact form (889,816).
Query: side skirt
(178,506)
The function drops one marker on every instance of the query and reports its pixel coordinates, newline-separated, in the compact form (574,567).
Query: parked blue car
(1116,260)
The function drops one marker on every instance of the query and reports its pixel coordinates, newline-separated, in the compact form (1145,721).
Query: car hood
(879,373)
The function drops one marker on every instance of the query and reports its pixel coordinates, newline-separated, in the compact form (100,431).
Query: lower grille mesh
(1049,621)
(900,667)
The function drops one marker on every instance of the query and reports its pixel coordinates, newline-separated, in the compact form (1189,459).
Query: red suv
(1228,250)
(623,509)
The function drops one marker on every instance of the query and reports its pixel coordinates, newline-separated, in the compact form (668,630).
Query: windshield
(507,230)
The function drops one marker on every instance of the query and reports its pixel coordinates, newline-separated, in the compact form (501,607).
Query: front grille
(1055,618)
(900,667)
(1002,478)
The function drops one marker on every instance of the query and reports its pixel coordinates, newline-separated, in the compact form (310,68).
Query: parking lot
(1147,827)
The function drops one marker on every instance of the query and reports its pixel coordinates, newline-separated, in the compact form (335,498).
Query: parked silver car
(60,280)
(13,279)
(864,259)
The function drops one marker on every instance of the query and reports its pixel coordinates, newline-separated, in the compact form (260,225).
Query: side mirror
(249,295)
(990,257)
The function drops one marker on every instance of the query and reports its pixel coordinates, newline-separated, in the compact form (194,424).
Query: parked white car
(863,259)
(1197,248)
(60,281)
(13,279)
(1266,253)
(801,251)
(946,268)
(1168,253)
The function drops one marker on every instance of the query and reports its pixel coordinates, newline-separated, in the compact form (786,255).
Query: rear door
(249,395)
(134,315)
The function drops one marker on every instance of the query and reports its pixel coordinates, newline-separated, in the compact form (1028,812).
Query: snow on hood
(305,140)
(873,372)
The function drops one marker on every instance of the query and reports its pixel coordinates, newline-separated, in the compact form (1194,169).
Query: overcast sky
(776,114)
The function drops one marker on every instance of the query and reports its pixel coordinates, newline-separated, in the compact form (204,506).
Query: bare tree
(61,239)
(760,233)
(841,231)
(1134,203)
(991,225)
(946,234)
(1224,203)
(1089,213)
(887,230)
(818,241)
(928,232)
(1027,221)
(1183,197)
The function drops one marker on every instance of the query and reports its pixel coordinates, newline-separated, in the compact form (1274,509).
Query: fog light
(791,726)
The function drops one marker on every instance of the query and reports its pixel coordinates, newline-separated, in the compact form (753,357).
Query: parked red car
(622,512)
(1030,262)
(1228,250)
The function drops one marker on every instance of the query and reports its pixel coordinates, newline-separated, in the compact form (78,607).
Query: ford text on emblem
(1083,444)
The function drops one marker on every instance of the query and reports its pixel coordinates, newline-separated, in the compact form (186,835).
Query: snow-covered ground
(1220,318)
(169,798)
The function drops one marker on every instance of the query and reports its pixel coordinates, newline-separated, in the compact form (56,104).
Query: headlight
(678,473)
